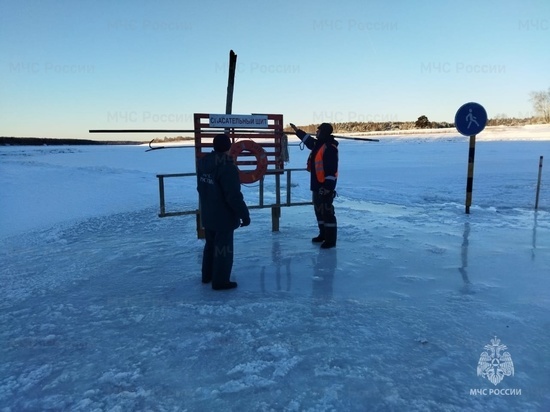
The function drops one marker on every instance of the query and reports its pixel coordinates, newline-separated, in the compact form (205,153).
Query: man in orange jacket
(323,167)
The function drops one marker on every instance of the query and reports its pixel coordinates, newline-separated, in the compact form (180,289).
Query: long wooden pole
(234,131)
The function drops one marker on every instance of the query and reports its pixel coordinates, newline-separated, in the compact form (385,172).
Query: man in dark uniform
(222,211)
(323,167)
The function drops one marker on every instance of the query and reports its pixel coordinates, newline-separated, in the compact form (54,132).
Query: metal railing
(275,207)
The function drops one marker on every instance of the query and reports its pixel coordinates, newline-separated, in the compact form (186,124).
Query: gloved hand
(324,192)
(299,132)
(245,221)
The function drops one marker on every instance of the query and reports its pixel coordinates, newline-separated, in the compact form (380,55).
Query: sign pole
(470,179)
(538,184)
(470,119)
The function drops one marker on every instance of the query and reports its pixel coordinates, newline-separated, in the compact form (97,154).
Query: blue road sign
(470,119)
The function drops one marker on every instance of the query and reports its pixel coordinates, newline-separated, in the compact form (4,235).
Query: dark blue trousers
(217,258)
(324,213)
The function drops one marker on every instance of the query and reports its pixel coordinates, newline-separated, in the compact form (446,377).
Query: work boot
(330,237)
(318,239)
(321,236)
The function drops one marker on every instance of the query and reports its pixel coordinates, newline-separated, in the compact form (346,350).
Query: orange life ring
(250,176)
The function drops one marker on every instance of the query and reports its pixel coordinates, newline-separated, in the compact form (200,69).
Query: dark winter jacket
(222,203)
(330,159)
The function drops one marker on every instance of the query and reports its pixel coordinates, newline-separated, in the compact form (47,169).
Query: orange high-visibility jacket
(320,167)
(324,170)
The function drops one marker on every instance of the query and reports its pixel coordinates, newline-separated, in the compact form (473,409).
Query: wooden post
(276,210)
(198,149)
(261,192)
(231,82)
(288,186)
(470,179)
(538,184)
(161,195)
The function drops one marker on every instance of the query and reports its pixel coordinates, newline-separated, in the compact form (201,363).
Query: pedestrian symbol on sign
(470,118)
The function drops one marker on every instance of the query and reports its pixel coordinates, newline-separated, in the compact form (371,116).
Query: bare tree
(541,104)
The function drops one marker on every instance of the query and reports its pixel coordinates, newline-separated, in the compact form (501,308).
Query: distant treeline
(422,123)
(166,139)
(39,141)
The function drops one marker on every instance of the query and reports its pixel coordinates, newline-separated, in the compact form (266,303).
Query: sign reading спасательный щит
(257,121)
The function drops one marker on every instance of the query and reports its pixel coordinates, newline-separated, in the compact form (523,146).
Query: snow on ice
(102,307)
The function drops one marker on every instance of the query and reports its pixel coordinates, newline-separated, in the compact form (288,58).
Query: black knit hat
(325,129)
(222,143)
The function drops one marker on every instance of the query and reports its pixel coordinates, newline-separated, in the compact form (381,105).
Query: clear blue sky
(70,66)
